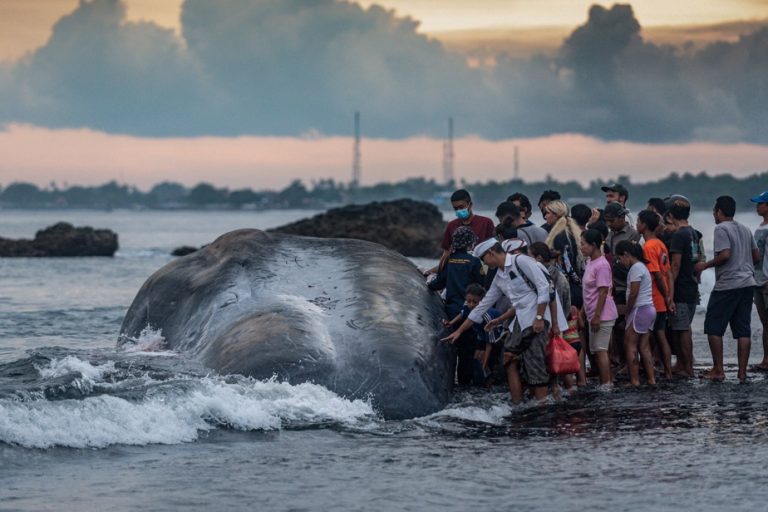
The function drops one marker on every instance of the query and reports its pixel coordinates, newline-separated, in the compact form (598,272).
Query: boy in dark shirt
(684,253)
(485,341)
(461,270)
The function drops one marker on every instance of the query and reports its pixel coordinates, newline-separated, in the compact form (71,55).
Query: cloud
(100,72)
(292,67)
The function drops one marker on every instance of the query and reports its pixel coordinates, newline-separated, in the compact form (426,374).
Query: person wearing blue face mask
(482,227)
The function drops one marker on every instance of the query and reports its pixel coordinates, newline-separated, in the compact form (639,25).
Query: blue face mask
(463,214)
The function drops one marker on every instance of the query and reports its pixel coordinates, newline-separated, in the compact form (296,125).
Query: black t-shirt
(574,271)
(685,242)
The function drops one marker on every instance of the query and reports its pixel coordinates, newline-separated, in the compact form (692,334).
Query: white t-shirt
(639,272)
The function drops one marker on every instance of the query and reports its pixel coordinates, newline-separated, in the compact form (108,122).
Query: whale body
(347,314)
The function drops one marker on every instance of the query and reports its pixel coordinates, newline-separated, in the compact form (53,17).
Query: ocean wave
(173,413)
(150,340)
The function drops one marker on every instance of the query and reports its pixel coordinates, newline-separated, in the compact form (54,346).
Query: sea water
(85,426)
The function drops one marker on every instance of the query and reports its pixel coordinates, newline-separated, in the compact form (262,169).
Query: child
(461,269)
(599,307)
(547,257)
(657,255)
(641,314)
(485,341)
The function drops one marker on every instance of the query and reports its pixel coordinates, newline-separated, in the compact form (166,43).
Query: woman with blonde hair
(564,237)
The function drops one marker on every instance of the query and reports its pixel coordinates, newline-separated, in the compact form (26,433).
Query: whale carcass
(347,314)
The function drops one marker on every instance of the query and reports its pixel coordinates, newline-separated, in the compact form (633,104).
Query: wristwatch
(539,317)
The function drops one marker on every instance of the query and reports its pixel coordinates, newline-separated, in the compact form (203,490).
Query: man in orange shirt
(656,254)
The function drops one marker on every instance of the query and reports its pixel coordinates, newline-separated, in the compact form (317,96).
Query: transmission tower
(517,163)
(357,156)
(448,155)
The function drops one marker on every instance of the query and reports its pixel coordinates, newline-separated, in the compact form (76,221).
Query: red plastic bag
(562,358)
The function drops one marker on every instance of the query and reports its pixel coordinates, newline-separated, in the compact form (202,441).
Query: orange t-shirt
(658,261)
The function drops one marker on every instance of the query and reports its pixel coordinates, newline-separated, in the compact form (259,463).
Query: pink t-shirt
(597,275)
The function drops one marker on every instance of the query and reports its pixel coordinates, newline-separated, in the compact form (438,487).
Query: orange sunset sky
(78,137)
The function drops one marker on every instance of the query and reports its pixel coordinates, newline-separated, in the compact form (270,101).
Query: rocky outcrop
(412,228)
(62,240)
(184,250)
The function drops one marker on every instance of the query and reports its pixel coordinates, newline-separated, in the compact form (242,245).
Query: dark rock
(184,250)
(62,240)
(412,228)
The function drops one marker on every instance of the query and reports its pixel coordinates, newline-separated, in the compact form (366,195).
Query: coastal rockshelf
(62,240)
(412,228)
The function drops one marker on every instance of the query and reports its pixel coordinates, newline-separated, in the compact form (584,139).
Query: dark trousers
(466,355)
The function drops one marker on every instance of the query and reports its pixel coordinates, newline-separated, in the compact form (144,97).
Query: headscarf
(463,238)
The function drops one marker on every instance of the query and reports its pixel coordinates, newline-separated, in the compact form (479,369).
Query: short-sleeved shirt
(481,334)
(531,233)
(738,271)
(658,261)
(639,273)
(482,227)
(619,271)
(597,274)
(685,242)
(761,267)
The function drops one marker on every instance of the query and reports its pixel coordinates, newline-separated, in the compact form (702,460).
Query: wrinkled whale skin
(350,315)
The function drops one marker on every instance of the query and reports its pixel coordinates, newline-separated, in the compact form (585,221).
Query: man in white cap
(520,278)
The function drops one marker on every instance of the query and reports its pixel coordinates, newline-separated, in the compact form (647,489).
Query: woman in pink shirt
(599,307)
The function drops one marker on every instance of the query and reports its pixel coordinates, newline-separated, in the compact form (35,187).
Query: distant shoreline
(701,189)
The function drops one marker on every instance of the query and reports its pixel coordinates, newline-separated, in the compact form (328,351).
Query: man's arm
(720,259)
(674,268)
(658,278)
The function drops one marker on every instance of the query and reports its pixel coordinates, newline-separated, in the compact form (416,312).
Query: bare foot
(762,367)
(712,375)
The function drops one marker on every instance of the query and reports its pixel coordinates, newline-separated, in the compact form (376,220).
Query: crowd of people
(622,290)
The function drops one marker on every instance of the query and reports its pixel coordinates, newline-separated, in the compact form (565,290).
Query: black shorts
(732,307)
(661,322)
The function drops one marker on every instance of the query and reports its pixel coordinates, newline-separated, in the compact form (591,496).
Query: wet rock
(412,228)
(62,240)
(184,250)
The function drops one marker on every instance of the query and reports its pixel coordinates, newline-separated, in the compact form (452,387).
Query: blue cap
(762,198)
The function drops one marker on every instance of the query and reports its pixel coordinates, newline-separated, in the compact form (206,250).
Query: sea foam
(177,413)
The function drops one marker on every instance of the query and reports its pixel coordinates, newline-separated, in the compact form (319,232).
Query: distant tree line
(701,189)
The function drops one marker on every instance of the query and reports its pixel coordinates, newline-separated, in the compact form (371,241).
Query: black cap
(618,188)
(614,210)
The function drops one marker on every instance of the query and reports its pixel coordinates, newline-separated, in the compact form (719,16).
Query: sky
(259,92)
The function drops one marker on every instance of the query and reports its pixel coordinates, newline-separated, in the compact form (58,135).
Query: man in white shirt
(525,284)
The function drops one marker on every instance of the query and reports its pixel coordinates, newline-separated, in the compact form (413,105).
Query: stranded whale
(347,314)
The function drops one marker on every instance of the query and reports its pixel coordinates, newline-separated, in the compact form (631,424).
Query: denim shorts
(682,318)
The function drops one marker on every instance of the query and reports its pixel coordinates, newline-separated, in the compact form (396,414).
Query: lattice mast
(357,169)
(517,164)
(448,155)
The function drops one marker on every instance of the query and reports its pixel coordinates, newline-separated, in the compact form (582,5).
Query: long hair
(634,249)
(564,223)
